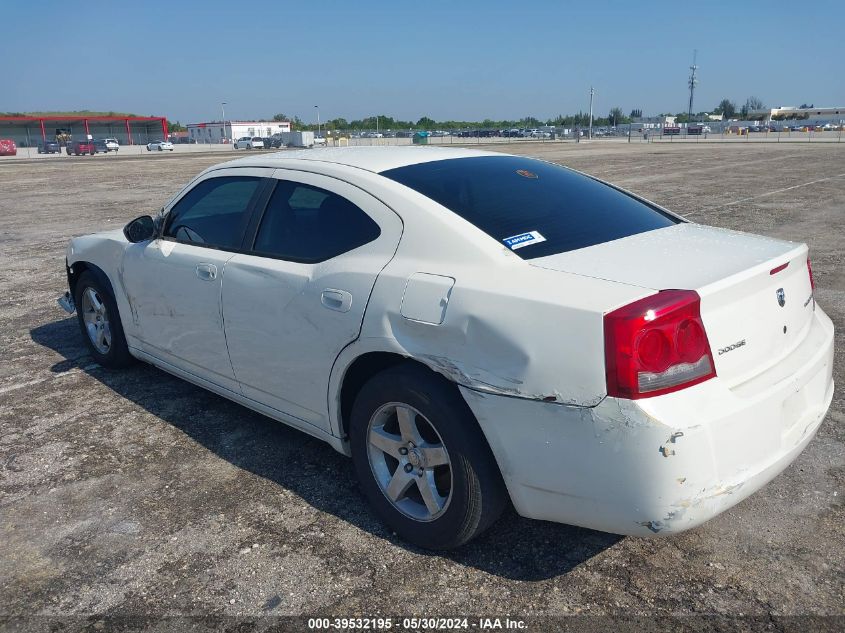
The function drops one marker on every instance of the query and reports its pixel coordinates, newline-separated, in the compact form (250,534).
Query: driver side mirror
(140,229)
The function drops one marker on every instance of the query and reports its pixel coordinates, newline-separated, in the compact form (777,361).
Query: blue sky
(447,60)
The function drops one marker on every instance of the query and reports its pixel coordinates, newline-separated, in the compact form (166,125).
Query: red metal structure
(43,122)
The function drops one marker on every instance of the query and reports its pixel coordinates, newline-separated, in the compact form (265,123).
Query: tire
(466,494)
(160,148)
(116,353)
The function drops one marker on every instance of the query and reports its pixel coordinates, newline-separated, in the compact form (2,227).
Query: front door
(174,283)
(294,302)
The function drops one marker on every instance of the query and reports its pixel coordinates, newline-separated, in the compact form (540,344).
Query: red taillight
(810,271)
(656,345)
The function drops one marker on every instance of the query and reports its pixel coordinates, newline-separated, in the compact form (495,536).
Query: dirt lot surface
(134,493)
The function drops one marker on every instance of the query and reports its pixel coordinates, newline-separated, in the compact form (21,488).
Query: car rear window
(533,207)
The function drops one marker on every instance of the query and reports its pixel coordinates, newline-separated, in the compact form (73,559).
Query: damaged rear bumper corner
(656,468)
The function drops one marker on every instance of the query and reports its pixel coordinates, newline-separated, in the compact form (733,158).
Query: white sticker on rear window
(523,239)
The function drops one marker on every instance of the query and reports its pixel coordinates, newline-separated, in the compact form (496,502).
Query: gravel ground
(135,494)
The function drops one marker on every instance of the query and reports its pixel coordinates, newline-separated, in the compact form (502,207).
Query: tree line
(615,117)
(385,122)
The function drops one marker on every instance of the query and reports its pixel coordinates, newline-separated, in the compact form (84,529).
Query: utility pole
(223,110)
(590,132)
(318,120)
(692,82)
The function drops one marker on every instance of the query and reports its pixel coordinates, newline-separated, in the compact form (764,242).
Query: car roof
(374,159)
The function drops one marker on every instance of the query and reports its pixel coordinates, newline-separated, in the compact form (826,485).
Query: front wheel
(421,459)
(160,148)
(100,323)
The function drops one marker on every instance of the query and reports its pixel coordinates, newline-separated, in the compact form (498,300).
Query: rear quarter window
(552,208)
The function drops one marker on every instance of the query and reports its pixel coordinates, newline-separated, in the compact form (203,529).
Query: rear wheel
(422,461)
(100,323)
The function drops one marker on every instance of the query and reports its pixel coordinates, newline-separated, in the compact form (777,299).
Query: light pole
(590,132)
(223,110)
(318,120)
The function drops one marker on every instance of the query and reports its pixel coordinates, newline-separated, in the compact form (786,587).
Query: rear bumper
(658,465)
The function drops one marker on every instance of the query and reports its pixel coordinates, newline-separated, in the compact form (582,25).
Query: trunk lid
(753,316)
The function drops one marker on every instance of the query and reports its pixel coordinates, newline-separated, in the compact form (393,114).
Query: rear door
(174,283)
(298,298)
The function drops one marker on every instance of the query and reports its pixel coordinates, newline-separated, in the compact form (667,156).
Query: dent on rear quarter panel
(522,331)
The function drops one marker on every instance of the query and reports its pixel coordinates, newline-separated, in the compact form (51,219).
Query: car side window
(308,224)
(213,213)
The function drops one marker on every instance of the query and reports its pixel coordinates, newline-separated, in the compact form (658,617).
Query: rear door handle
(207,272)
(339,300)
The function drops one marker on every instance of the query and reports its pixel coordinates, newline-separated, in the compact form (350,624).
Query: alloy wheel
(96,319)
(409,461)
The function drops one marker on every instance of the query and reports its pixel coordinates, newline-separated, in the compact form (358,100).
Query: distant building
(787,113)
(29,131)
(225,132)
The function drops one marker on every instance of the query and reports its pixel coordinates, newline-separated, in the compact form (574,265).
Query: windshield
(532,207)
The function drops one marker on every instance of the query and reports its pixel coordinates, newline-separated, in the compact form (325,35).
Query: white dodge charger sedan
(475,329)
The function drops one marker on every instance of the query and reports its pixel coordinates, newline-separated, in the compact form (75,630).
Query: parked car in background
(319,140)
(112,145)
(100,146)
(247,142)
(275,143)
(160,146)
(8,147)
(668,370)
(268,142)
(80,148)
(49,147)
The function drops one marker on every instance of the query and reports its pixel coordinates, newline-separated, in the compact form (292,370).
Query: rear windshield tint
(535,208)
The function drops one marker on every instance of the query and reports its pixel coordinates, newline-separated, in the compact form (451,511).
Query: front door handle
(339,300)
(207,272)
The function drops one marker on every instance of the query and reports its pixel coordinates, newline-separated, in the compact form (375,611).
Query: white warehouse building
(226,131)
